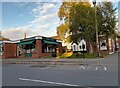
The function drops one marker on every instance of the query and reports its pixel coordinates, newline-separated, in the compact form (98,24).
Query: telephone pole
(96,28)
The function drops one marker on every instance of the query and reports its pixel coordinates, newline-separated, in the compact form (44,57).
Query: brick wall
(38,49)
(10,50)
(118,40)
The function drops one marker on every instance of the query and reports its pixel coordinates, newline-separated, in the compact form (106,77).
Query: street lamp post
(97,41)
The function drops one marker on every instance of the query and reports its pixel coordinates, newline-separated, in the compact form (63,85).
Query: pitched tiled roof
(56,37)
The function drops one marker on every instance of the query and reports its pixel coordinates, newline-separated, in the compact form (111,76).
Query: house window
(103,45)
(82,45)
(74,47)
(49,48)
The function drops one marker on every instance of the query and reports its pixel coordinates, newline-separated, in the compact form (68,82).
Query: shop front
(37,47)
(26,48)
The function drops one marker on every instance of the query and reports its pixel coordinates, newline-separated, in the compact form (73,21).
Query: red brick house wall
(10,50)
(38,50)
(118,40)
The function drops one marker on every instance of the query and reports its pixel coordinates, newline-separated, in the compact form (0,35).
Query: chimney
(25,35)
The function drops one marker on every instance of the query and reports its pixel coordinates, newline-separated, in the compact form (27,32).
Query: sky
(34,18)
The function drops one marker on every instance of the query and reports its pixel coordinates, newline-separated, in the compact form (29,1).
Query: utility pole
(96,27)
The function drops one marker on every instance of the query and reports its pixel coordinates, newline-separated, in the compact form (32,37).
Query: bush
(78,54)
(54,55)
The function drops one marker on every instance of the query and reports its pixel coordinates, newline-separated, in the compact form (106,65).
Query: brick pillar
(38,49)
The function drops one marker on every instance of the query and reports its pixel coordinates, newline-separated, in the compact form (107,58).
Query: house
(2,38)
(106,45)
(33,47)
(79,46)
(8,49)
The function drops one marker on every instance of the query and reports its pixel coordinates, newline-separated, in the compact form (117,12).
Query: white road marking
(45,68)
(82,67)
(64,84)
(105,68)
(96,68)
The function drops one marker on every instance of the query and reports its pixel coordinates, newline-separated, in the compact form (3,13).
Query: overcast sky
(31,17)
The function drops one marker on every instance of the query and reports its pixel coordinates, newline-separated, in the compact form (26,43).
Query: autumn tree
(78,21)
(65,15)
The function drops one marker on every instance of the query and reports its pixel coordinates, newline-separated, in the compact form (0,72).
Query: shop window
(49,48)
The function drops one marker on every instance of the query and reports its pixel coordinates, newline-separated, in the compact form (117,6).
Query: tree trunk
(90,47)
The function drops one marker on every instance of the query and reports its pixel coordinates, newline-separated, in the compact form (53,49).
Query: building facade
(106,45)
(33,47)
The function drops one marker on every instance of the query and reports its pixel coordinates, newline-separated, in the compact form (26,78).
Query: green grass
(81,55)
(90,55)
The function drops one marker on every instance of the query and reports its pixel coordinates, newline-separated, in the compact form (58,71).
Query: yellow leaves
(87,4)
(67,54)
(62,29)
(67,12)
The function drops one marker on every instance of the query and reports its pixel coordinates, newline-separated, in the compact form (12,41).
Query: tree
(107,25)
(78,21)
(65,15)
(82,23)
(108,21)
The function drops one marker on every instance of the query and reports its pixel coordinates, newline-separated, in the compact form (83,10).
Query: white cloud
(43,8)
(44,23)
(16,33)
(21,3)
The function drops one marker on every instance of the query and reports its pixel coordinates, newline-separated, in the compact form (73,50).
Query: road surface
(97,72)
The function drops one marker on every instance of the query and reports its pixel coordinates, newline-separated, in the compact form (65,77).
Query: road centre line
(49,82)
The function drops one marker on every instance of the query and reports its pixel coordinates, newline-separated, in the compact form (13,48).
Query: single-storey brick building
(33,47)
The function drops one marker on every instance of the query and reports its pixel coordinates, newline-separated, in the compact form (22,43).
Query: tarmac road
(97,72)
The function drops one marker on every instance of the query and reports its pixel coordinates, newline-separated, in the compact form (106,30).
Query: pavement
(62,61)
(90,72)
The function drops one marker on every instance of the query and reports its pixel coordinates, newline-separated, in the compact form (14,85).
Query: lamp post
(96,28)
(83,47)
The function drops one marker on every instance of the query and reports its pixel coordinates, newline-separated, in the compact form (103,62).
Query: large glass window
(49,48)
(25,49)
